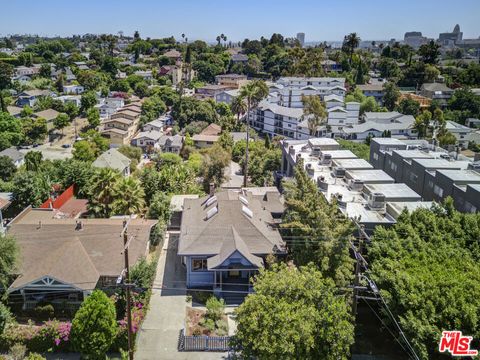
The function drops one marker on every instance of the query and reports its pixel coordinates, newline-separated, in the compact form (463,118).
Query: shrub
(94,327)
(197,331)
(35,356)
(222,328)
(158,233)
(5,317)
(44,312)
(215,308)
(143,273)
(17,351)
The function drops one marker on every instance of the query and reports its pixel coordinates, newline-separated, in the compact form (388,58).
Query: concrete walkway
(232,178)
(158,337)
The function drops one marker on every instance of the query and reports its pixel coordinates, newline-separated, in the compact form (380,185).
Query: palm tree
(313,110)
(129,197)
(350,43)
(101,191)
(253,92)
(238,106)
(219,38)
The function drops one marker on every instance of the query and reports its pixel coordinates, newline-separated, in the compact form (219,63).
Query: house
(239,58)
(210,91)
(227,96)
(235,81)
(22,79)
(5,201)
(15,111)
(173,54)
(374,90)
(73,89)
(462,133)
(49,115)
(27,70)
(74,99)
(437,91)
(69,75)
(226,237)
(146,75)
(13,154)
(65,259)
(377,123)
(109,106)
(30,97)
(171,144)
(330,65)
(146,139)
(115,160)
(121,126)
(156,125)
(207,137)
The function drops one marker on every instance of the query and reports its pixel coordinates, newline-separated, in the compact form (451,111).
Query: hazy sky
(205,19)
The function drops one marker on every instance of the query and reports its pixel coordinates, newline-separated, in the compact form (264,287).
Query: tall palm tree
(252,93)
(350,43)
(315,113)
(238,106)
(129,197)
(101,191)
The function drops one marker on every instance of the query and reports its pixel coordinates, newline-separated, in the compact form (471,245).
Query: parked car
(66,146)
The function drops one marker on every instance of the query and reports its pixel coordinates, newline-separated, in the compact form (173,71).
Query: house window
(375,156)
(438,190)
(393,166)
(199,264)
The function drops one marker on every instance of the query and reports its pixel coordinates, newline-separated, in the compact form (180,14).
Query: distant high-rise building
(414,39)
(301,38)
(451,37)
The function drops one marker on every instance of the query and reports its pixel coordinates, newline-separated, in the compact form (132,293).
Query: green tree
(10,131)
(6,73)
(61,121)
(422,123)
(33,160)
(315,113)
(320,233)
(83,150)
(7,168)
(94,326)
(428,297)
(429,52)
(153,107)
(30,188)
(129,197)
(102,192)
(5,317)
(350,43)
(88,100)
(93,117)
(252,93)
(226,141)
(408,106)
(9,257)
(239,107)
(215,160)
(391,95)
(160,207)
(302,306)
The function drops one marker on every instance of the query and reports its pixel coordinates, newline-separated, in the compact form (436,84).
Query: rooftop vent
(356,185)
(326,159)
(212,212)
(247,211)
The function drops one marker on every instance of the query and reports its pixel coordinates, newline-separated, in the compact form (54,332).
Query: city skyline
(204,21)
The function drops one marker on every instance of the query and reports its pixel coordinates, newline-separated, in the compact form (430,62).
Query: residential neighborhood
(252,181)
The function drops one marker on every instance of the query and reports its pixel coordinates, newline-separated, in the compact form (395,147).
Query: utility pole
(358,257)
(126,243)
(245,171)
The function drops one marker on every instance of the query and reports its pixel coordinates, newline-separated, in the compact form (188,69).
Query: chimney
(212,189)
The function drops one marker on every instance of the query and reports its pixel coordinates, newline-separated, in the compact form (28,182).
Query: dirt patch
(194,324)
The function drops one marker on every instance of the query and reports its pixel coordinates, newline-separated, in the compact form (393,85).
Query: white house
(155,125)
(73,89)
(462,133)
(146,139)
(146,75)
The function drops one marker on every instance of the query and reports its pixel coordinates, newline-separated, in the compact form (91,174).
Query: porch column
(221,276)
(24,298)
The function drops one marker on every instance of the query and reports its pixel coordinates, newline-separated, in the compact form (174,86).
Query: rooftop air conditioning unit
(326,159)
(322,184)
(339,172)
(377,201)
(315,150)
(356,185)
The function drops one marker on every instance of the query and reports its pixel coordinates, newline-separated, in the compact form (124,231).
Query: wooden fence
(203,343)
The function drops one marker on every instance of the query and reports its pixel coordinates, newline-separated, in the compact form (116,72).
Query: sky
(320,20)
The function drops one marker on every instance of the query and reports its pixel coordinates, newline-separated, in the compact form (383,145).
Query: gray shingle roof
(112,159)
(12,153)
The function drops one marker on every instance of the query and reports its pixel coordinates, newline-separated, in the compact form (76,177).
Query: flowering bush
(51,336)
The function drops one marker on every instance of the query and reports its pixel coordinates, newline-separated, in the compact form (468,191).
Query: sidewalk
(158,337)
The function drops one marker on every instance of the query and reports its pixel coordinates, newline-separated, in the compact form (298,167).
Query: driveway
(158,337)
(232,178)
